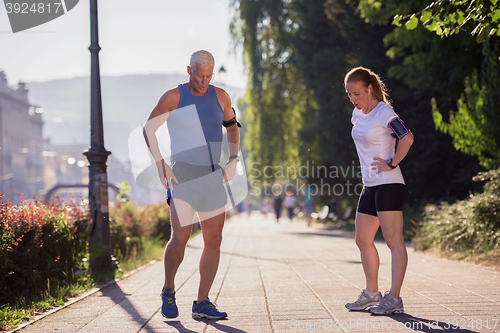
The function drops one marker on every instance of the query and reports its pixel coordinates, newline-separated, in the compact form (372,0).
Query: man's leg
(211,227)
(181,217)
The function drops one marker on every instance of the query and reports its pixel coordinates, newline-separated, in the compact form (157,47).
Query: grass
(11,316)
(489,259)
(153,250)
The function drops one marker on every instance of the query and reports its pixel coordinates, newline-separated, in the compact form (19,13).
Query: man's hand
(229,170)
(166,174)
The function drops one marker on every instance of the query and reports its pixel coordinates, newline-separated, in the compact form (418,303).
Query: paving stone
(288,277)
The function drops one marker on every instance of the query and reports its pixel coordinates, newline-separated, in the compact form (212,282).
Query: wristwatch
(234,157)
(390,164)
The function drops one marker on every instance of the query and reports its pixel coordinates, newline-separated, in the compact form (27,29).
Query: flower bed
(40,245)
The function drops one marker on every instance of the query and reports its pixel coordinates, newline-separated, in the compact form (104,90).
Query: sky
(136,37)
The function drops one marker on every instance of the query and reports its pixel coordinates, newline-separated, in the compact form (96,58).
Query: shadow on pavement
(223,328)
(429,325)
(116,294)
(178,326)
(239,255)
(214,323)
(327,234)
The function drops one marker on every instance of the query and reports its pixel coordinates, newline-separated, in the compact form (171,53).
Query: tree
(474,126)
(297,53)
(429,67)
(276,96)
(448,17)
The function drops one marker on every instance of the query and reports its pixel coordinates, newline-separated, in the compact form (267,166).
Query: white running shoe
(364,300)
(388,305)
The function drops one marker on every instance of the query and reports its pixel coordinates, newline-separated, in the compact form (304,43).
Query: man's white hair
(202,58)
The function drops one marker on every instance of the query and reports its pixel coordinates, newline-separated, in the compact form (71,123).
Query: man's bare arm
(167,103)
(233,132)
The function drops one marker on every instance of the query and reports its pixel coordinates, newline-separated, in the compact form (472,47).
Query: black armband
(231,122)
(399,128)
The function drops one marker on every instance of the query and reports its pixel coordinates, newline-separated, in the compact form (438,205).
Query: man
(277,205)
(195,113)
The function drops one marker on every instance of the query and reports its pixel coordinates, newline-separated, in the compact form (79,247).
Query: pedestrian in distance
(376,127)
(277,205)
(249,206)
(195,110)
(309,204)
(289,203)
(264,207)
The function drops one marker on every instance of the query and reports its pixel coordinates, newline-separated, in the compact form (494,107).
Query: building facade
(21,143)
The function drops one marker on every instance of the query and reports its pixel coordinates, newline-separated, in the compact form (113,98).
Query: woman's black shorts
(381,198)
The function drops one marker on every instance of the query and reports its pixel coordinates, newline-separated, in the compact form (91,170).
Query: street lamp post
(100,240)
(222,75)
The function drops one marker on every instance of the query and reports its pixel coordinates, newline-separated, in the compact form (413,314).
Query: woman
(375,129)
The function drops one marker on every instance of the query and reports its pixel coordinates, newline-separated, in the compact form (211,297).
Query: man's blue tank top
(186,134)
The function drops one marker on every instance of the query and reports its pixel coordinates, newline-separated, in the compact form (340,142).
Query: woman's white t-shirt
(372,137)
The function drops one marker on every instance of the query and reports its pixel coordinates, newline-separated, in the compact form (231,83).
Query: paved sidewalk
(287,277)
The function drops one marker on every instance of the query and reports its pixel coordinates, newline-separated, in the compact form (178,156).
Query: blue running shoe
(208,310)
(169,308)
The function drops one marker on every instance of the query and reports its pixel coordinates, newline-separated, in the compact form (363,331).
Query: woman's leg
(366,228)
(391,223)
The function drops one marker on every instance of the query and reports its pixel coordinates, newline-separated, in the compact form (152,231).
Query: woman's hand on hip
(380,165)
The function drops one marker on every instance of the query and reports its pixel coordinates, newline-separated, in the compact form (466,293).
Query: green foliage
(469,225)
(420,61)
(152,249)
(41,246)
(307,46)
(277,98)
(133,228)
(330,39)
(422,58)
(474,126)
(412,23)
(297,53)
(448,17)
(11,317)
(124,192)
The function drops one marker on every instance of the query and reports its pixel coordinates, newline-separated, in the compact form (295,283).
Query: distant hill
(126,102)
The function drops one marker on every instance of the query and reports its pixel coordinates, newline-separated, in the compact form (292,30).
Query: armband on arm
(399,128)
(231,122)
